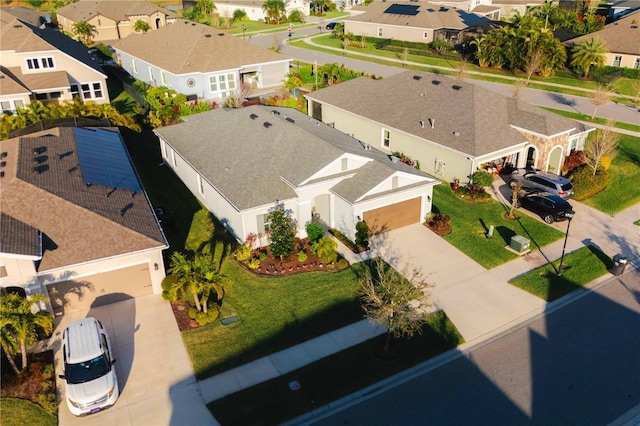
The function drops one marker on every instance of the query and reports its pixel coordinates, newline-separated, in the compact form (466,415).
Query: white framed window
(88,91)
(222,84)
(379,31)
(134,67)
(617,60)
(441,167)
(38,63)
(425,35)
(163,78)
(10,106)
(386,138)
(200,185)
(263,222)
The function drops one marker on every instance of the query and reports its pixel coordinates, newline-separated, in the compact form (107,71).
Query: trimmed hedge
(608,74)
(586,184)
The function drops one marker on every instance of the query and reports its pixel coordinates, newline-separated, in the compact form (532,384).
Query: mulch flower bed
(181,312)
(36,383)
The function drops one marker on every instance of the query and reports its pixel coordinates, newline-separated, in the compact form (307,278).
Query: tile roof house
(201,61)
(254,10)
(417,21)
(40,63)
(622,39)
(493,9)
(76,223)
(452,127)
(240,162)
(114,19)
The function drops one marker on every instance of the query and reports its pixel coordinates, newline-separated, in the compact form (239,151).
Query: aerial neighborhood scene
(317,212)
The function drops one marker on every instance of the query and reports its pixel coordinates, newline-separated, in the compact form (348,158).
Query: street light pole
(243,30)
(569,216)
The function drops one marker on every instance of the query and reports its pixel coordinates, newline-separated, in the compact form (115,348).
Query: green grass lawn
(585,265)
(597,120)
(623,190)
(20,412)
(470,222)
(333,377)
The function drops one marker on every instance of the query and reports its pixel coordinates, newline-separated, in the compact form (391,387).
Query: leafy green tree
(326,249)
(84,31)
(205,7)
(587,54)
(362,234)
(315,231)
(296,16)
(292,82)
(198,277)
(283,231)
(239,15)
(141,26)
(23,323)
(544,11)
(394,299)
(275,10)
(191,13)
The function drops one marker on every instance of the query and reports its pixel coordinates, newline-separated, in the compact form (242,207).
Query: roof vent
(266,124)
(220,34)
(436,82)
(193,24)
(432,122)
(421,94)
(274,112)
(422,124)
(253,116)
(207,35)
(456,87)
(417,77)
(456,133)
(290,120)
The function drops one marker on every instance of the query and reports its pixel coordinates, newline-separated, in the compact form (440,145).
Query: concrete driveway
(157,384)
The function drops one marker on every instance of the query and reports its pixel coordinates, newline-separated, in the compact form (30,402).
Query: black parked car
(331,25)
(550,207)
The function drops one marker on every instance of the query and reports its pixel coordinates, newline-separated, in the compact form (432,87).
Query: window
(379,31)
(18,103)
(222,83)
(10,106)
(163,78)
(263,223)
(213,82)
(75,90)
(37,63)
(88,91)
(6,106)
(441,167)
(425,35)
(97,90)
(636,64)
(386,138)
(33,64)
(617,60)
(41,96)
(200,185)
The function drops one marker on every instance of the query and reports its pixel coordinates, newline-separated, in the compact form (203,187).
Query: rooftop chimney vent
(266,124)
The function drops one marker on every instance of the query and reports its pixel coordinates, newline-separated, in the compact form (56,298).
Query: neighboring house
(30,16)
(114,19)
(240,162)
(622,39)
(493,9)
(453,128)
(76,224)
(44,64)
(619,8)
(253,9)
(201,61)
(416,21)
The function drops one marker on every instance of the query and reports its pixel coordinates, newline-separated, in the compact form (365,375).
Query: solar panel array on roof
(104,160)
(402,9)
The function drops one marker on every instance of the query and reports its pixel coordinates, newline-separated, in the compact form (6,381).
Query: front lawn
(20,412)
(622,191)
(585,265)
(333,377)
(273,314)
(470,223)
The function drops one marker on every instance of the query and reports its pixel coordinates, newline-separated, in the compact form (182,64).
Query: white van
(91,381)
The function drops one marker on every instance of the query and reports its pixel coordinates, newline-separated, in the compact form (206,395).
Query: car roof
(553,177)
(549,196)
(83,340)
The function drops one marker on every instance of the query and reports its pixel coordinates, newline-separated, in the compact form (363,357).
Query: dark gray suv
(542,181)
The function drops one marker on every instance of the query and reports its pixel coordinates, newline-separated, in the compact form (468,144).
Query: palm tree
(141,26)
(197,277)
(275,9)
(8,341)
(23,323)
(205,7)
(588,53)
(84,31)
(543,11)
(238,15)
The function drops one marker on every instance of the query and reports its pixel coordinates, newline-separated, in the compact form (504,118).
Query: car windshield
(86,371)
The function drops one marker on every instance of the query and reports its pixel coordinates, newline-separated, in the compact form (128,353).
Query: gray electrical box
(519,243)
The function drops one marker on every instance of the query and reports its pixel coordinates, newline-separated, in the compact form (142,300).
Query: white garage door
(100,289)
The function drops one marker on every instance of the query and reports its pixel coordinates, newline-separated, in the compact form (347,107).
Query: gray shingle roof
(466,117)
(187,47)
(621,36)
(252,165)
(43,188)
(118,10)
(16,237)
(428,16)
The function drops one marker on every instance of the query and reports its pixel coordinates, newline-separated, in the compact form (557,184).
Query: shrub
(362,234)
(302,256)
(254,263)
(263,256)
(169,282)
(573,161)
(205,318)
(243,253)
(343,264)
(482,179)
(326,249)
(441,224)
(586,184)
(315,231)
(473,192)
(605,162)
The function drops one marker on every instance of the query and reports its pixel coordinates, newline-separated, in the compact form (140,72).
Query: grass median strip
(333,377)
(585,265)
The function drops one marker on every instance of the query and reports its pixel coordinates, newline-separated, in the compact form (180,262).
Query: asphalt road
(578,364)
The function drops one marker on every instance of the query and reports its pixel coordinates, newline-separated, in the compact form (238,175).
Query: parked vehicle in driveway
(331,25)
(542,181)
(88,367)
(550,207)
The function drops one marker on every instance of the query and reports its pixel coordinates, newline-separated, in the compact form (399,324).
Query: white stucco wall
(20,270)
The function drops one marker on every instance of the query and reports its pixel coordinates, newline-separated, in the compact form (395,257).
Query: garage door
(394,216)
(100,289)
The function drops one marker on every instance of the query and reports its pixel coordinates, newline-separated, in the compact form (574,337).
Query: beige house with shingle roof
(452,127)
(40,63)
(240,162)
(417,21)
(114,19)
(200,61)
(76,223)
(622,39)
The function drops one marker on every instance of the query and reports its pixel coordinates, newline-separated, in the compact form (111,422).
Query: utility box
(519,244)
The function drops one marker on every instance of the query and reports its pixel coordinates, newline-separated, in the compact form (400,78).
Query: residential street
(576,363)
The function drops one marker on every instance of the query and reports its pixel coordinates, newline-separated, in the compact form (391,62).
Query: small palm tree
(205,7)
(274,9)
(589,53)
(197,277)
(84,31)
(23,323)
(141,26)
(8,341)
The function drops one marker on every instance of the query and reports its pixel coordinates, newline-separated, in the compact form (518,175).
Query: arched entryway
(158,23)
(532,157)
(555,160)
